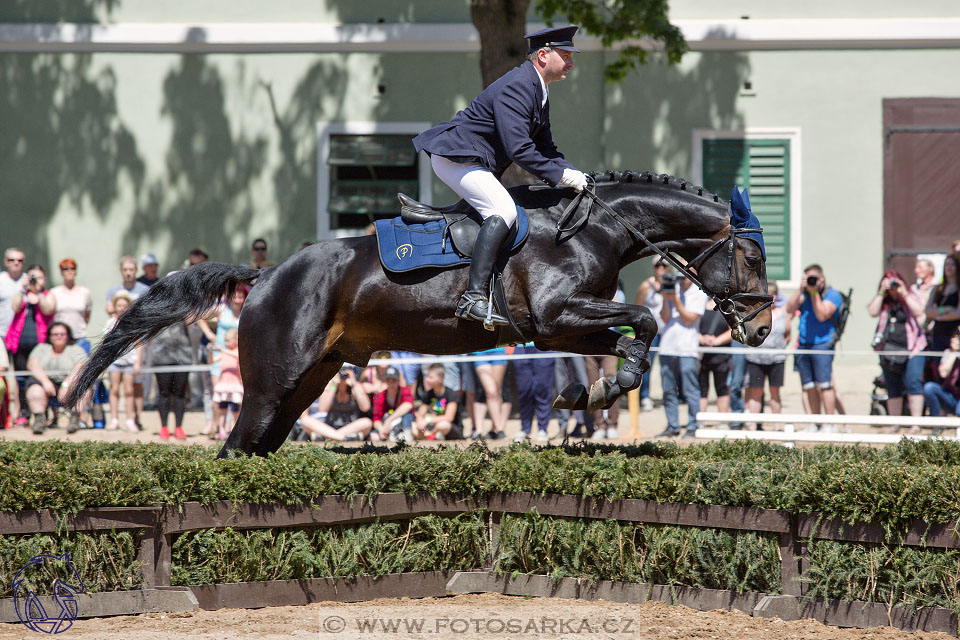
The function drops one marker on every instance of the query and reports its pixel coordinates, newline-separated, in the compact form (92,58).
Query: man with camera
(818,304)
(683,307)
(648,295)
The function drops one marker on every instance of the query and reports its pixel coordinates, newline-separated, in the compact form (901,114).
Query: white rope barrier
(819,418)
(428,359)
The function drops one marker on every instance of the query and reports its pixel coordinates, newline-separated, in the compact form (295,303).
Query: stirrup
(467,310)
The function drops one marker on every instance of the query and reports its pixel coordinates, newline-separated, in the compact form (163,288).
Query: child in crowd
(123,370)
(438,417)
(392,409)
(228,392)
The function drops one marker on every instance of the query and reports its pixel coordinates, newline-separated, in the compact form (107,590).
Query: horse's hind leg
(268,415)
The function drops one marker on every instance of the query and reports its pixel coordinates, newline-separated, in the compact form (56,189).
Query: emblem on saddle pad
(404,251)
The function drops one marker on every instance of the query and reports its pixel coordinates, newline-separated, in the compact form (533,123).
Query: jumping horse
(333,302)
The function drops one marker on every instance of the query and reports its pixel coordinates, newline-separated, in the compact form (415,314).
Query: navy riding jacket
(504,123)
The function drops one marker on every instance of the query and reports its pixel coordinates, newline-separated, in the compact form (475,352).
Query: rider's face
(556,65)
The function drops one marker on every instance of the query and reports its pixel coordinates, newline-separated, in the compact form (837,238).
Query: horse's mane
(660,180)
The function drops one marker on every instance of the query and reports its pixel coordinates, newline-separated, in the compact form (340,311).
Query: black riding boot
(473,303)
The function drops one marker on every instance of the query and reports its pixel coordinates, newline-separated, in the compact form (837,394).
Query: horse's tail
(181,296)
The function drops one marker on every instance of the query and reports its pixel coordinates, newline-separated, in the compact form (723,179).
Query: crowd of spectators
(45,332)
(913,319)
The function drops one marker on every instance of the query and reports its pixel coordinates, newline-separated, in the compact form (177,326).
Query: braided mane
(660,179)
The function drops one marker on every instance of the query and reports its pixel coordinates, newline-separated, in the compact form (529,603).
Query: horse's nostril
(763,331)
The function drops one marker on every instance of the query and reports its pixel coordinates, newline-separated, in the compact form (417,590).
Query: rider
(508,121)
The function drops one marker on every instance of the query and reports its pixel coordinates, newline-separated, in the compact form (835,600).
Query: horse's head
(732,270)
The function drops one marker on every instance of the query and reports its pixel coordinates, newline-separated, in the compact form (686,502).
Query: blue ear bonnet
(741,217)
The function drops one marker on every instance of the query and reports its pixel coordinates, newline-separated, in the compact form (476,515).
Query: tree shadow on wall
(318,97)
(655,110)
(56,11)
(61,135)
(204,198)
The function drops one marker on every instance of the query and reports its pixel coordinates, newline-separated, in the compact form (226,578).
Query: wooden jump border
(159,525)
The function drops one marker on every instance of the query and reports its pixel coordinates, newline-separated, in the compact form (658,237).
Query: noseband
(726,301)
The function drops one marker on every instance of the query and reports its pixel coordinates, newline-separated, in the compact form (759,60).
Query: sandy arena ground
(487,616)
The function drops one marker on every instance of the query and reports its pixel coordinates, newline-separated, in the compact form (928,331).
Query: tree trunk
(501,25)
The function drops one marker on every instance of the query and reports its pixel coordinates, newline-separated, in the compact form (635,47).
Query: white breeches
(478,187)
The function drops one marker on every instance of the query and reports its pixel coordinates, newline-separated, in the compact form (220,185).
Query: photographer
(648,295)
(818,304)
(683,306)
(342,406)
(33,308)
(898,330)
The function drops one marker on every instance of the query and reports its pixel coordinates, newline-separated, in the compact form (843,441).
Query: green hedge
(71,476)
(890,485)
(427,543)
(108,561)
(637,552)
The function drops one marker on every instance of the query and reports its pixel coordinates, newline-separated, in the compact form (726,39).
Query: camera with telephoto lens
(812,281)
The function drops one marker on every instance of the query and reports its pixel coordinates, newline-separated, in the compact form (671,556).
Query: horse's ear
(736,206)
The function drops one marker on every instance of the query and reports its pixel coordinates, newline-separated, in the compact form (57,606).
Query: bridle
(726,301)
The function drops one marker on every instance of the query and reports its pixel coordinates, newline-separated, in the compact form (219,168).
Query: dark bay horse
(333,302)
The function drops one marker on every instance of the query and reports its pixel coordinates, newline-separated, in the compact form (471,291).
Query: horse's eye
(752,261)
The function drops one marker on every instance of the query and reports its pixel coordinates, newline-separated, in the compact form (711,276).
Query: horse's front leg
(584,327)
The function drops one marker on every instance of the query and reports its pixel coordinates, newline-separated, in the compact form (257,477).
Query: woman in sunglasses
(51,365)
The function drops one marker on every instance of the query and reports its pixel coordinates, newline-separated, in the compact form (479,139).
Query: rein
(726,302)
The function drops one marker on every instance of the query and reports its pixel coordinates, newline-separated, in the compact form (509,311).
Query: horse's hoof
(603,394)
(574,397)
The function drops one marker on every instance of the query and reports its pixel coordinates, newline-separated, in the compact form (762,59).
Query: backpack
(840,317)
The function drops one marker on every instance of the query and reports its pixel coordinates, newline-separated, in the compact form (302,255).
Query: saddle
(461,222)
(419,239)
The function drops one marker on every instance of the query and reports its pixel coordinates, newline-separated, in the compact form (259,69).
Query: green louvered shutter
(763,167)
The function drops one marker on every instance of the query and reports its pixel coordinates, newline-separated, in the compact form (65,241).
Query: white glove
(575,179)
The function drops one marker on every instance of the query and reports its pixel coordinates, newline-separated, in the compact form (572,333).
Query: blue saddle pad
(405,247)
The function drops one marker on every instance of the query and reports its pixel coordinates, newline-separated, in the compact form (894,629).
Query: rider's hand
(575,179)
